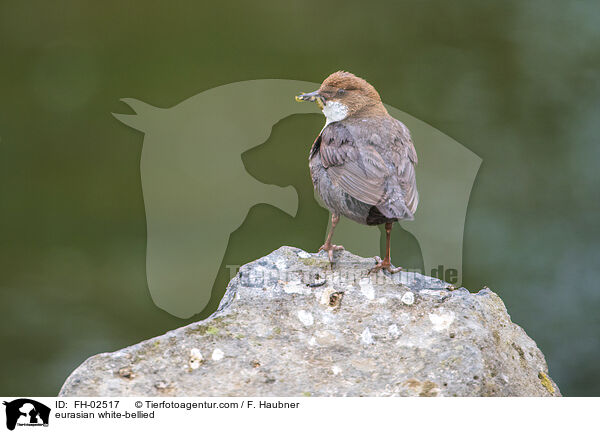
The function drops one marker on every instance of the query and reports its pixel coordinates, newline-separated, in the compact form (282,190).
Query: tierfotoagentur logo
(27,413)
(197,191)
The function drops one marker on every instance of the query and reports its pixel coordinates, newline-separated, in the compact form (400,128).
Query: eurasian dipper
(363,162)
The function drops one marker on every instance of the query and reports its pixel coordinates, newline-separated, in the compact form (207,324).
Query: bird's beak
(312,96)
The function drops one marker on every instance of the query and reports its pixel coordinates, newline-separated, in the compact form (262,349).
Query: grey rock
(289,325)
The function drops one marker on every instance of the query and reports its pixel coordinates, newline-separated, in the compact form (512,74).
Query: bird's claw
(330,248)
(384,264)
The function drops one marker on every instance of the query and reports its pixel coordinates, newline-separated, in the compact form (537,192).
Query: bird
(363,161)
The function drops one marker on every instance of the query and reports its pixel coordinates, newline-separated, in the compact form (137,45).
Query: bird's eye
(341,91)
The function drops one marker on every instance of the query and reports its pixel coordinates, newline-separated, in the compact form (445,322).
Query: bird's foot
(330,248)
(384,264)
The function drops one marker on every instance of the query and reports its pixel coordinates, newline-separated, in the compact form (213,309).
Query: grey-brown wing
(356,167)
(394,143)
(406,164)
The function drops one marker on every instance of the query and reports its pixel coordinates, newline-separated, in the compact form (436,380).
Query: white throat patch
(334,111)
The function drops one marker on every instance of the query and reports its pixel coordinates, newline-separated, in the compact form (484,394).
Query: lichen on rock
(291,325)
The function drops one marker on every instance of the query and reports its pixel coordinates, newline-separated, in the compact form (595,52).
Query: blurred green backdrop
(516,82)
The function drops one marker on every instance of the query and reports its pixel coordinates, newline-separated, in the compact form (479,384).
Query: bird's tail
(396,209)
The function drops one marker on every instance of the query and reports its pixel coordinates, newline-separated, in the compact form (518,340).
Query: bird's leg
(328,246)
(386,263)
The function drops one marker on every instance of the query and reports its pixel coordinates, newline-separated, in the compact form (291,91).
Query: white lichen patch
(393,330)
(262,330)
(336,370)
(441,321)
(328,316)
(312,341)
(366,288)
(306,317)
(217,355)
(303,255)
(297,287)
(382,300)
(319,280)
(404,318)
(406,341)
(196,359)
(325,296)
(434,293)
(366,337)
(325,338)
(408,298)
(280,263)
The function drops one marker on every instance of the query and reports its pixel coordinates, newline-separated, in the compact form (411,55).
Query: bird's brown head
(343,94)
